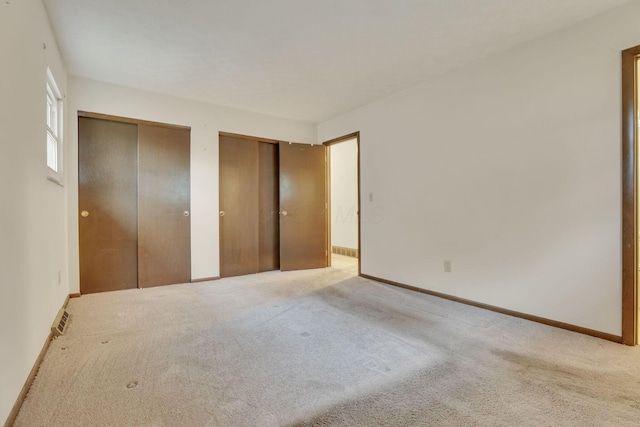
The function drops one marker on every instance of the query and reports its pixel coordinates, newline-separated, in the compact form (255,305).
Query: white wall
(344,194)
(509,168)
(205,121)
(33,227)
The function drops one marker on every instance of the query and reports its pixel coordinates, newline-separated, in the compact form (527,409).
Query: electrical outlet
(447,266)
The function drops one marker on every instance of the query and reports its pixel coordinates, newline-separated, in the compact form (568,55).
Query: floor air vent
(60,323)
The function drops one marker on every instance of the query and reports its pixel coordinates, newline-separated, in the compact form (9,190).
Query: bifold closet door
(107,199)
(303,206)
(239,205)
(164,226)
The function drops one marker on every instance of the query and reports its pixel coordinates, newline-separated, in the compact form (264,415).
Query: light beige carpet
(321,348)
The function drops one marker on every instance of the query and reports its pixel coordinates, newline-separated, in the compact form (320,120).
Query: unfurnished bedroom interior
(303,213)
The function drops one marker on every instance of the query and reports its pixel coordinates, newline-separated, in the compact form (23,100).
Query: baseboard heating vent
(60,323)
(340,250)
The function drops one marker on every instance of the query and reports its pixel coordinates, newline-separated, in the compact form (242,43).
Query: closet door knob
(221,213)
(283,213)
(185,213)
(84,214)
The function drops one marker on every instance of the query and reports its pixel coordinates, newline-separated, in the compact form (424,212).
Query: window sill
(55,180)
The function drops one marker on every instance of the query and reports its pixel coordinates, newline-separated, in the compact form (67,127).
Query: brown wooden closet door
(107,199)
(239,225)
(269,201)
(303,206)
(164,226)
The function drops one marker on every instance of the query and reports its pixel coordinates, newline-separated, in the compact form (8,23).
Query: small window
(54,130)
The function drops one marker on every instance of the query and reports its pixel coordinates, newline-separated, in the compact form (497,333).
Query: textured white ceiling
(307,60)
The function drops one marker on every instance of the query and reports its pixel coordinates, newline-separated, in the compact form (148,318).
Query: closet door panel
(107,199)
(303,206)
(239,205)
(269,222)
(164,225)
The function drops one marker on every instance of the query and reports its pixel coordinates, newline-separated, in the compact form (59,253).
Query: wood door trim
(327,192)
(629,198)
(129,120)
(356,136)
(359,209)
(252,138)
(340,139)
(537,319)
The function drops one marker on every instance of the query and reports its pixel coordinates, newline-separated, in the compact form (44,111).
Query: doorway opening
(630,236)
(343,172)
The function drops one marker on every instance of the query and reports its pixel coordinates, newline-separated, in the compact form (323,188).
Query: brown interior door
(164,226)
(239,206)
(269,201)
(107,199)
(303,206)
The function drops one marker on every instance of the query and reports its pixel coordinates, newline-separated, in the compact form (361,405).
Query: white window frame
(54,133)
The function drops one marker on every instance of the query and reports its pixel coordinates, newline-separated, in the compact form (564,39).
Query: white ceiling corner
(306,60)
